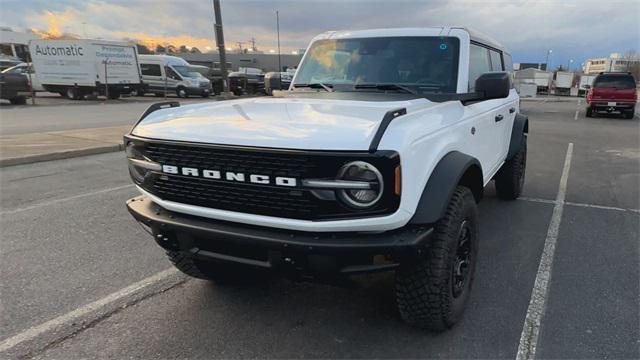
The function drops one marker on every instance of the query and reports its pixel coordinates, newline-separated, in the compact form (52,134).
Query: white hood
(290,123)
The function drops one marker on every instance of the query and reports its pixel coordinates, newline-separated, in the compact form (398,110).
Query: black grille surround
(270,200)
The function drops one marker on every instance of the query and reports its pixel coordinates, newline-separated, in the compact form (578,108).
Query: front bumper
(599,105)
(198,90)
(278,249)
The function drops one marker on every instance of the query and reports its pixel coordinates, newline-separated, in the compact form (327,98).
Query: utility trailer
(75,68)
(564,82)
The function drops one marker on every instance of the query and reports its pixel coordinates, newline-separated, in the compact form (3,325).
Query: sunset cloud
(573,29)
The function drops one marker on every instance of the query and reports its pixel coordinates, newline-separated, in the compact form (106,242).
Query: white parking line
(575,117)
(76,316)
(538,302)
(569,203)
(57,201)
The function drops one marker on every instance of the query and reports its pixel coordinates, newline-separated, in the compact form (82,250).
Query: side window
(508,63)
(496,61)
(478,64)
(150,70)
(171,74)
(508,67)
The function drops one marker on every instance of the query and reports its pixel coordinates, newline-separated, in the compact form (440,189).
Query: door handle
(512,110)
(499,117)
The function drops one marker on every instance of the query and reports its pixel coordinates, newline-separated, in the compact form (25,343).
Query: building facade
(614,63)
(266,62)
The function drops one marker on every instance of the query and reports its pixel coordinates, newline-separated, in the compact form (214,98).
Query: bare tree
(632,63)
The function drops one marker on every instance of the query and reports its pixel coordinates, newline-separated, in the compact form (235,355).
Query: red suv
(613,92)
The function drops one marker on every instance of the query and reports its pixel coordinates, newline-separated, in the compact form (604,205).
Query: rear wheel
(215,271)
(510,179)
(589,112)
(73,93)
(114,95)
(628,114)
(433,291)
(18,100)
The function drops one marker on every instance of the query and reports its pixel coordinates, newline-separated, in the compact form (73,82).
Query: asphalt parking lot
(557,277)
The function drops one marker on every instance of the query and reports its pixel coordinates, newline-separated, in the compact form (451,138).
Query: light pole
(278,32)
(547,61)
(220,43)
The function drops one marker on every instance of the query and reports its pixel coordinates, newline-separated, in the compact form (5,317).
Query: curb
(60,155)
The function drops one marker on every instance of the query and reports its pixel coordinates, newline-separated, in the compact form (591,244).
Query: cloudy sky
(576,29)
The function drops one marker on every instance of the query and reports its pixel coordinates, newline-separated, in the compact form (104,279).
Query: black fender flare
(453,169)
(520,128)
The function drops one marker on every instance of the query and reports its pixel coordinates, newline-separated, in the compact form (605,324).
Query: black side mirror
(493,85)
(587,87)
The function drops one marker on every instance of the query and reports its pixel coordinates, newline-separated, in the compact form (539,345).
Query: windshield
(614,81)
(186,71)
(427,64)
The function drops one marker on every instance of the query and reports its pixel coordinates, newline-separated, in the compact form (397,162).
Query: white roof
(426,31)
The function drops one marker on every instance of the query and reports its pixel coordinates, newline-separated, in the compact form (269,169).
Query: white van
(162,73)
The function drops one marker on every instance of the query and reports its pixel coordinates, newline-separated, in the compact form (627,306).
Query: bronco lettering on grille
(230,176)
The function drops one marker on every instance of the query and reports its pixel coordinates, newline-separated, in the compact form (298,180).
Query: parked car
(14,87)
(27,71)
(162,73)
(375,160)
(612,92)
(246,81)
(277,81)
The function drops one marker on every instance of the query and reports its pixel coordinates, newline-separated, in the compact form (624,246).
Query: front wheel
(510,178)
(433,291)
(182,92)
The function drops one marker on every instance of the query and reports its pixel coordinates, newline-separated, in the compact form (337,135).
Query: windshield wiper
(386,87)
(317,85)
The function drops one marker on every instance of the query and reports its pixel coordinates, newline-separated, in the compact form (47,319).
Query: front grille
(271,200)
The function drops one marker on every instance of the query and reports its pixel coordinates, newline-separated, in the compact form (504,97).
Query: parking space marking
(575,117)
(57,201)
(569,203)
(76,316)
(537,304)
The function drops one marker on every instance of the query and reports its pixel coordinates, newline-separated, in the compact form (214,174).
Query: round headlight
(363,172)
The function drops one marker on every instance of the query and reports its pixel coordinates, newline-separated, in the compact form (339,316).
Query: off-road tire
(510,178)
(628,114)
(213,271)
(425,287)
(589,112)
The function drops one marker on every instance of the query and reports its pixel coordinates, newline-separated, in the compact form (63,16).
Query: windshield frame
(450,85)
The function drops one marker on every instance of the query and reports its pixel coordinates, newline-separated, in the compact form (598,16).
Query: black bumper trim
(171,229)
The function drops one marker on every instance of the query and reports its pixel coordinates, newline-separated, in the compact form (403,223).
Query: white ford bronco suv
(374,160)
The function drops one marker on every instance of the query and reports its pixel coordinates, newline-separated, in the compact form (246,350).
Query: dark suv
(613,92)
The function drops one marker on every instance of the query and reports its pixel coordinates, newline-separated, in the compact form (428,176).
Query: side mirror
(493,85)
(587,87)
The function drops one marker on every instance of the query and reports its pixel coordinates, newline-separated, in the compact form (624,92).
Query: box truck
(564,82)
(75,68)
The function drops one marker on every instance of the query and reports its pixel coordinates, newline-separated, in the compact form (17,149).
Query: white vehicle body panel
(158,83)
(82,62)
(422,137)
